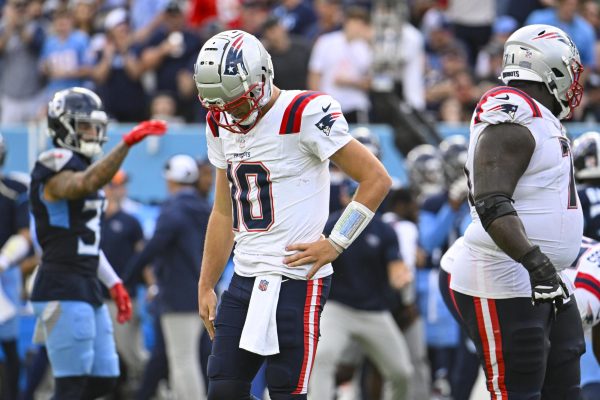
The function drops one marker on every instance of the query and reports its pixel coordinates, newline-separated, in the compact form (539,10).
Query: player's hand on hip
(318,253)
(143,129)
(122,301)
(207,304)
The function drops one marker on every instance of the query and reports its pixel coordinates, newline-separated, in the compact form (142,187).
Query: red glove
(121,297)
(143,129)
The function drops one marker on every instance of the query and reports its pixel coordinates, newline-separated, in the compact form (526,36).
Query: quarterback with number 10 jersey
(545,199)
(279,179)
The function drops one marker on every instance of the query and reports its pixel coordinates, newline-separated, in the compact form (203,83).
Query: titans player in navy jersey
(586,160)
(67,205)
(14,245)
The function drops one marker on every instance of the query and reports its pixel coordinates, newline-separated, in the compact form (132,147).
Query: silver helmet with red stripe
(234,78)
(544,53)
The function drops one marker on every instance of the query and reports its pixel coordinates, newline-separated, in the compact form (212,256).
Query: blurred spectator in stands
(118,70)
(252,17)
(521,9)
(122,238)
(289,53)
(64,59)
(565,16)
(21,39)
(592,90)
(297,16)
(146,17)
(439,82)
(163,106)
(487,67)
(438,39)
(84,13)
(200,12)
(171,54)
(340,65)
(590,10)
(490,66)
(472,23)
(458,108)
(329,18)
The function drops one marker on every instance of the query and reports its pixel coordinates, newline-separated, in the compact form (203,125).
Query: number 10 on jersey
(251,196)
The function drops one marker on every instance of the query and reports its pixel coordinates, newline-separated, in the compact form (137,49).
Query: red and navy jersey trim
(588,282)
(292,117)
(211,120)
(510,90)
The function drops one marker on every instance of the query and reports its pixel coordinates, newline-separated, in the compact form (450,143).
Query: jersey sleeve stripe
(588,282)
(292,117)
(506,89)
(212,123)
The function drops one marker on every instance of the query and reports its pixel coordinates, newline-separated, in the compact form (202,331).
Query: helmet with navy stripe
(77,121)
(586,156)
(234,72)
(545,53)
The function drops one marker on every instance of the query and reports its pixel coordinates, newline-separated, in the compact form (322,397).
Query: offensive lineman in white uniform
(272,150)
(527,223)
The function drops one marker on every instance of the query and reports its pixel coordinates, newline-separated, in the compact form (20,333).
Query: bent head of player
(545,59)
(77,121)
(234,77)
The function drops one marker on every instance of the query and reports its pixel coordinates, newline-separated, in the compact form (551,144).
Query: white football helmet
(544,53)
(233,69)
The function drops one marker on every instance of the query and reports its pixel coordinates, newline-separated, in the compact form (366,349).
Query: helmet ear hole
(558,73)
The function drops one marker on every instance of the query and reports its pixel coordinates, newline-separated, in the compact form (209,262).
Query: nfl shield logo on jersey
(263,285)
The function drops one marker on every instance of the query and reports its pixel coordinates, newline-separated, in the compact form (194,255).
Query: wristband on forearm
(352,222)
(15,249)
(106,273)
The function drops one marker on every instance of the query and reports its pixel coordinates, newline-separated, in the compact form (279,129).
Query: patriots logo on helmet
(235,57)
(327,122)
(263,285)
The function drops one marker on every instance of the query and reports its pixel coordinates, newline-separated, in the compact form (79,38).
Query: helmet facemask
(87,133)
(254,98)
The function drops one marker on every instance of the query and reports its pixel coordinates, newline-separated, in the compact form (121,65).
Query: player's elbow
(380,182)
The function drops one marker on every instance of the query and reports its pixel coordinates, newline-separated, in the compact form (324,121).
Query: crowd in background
(139,54)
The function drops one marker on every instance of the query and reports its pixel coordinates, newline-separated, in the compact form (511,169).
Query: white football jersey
(586,277)
(544,198)
(279,179)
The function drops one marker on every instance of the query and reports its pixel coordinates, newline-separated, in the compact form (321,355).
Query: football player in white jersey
(272,149)
(527,223)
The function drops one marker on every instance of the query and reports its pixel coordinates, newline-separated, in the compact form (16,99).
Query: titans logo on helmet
(327,122)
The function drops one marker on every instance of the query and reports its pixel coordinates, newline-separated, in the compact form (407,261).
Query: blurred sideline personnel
(527,223)
(122,239)
(586,160)
(67,206)
(175,251)
(272,150)
(15,244)
(360,300)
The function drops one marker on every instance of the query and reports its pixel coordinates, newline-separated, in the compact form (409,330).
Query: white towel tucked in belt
(260,329)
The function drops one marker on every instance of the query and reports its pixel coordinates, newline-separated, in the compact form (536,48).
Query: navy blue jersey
(68,232)
(360,278)
(120,233)
(589,196)
(14,208)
